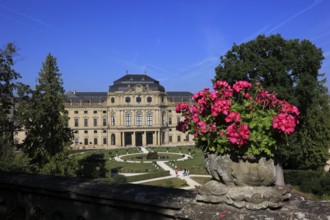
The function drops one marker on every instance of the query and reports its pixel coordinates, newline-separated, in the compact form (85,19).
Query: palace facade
(136,111)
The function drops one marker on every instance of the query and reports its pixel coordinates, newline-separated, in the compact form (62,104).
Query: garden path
(191,183)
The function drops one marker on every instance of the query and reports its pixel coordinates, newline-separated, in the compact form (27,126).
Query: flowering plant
(244,119)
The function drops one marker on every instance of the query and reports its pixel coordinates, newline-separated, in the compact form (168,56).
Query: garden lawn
(170,182)
(201,180)
(195,165)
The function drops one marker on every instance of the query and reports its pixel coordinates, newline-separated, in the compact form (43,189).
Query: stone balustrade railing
(29,196)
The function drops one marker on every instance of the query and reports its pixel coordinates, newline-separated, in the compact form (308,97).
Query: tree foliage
(10,91)
(46,120)
(289,68)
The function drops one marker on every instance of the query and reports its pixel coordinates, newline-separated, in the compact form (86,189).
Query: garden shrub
(119,179)
(308,181)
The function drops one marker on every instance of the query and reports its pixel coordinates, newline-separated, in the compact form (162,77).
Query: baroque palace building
(136,111)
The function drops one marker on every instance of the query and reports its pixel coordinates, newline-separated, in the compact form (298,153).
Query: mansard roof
(131,80)
(91,97)
(179,96)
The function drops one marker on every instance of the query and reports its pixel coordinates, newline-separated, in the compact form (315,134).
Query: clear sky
(178,42)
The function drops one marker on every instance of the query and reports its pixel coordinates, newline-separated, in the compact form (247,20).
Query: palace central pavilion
(136,111)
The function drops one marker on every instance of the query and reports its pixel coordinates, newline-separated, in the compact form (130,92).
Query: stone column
(133,138)
(154,138)
(121,139)
(157,137)
(144,137)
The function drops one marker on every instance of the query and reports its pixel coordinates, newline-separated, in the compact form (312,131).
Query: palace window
(113,139)
(95,141)
(149,99)
(95,131)
(76,122)
(76,112)
(149,119)
(105,140)
(113,120)
(138,99)
(128,120)
(85,112)
(163,118)
(95,112)
(138,120)
(112,100)
(127,99)
(104,122)
(86,122)
(179,138)
(170,120)
(86,141)
(95,122)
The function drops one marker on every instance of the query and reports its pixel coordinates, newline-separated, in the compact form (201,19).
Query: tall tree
(289,68)
(9,88)
(47,132)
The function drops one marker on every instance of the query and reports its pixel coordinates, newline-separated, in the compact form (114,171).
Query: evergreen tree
(9,88)
(46,120)
(289,68)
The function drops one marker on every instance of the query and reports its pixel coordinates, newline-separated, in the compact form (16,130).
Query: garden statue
(241,129)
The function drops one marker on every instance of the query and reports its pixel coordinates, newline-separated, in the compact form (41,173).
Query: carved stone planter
(243,183)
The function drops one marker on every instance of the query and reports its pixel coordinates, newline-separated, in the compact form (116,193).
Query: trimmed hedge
(308,181)
(147,176)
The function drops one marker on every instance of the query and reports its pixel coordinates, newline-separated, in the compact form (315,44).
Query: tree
(289,68)
(9,88)
(46,120)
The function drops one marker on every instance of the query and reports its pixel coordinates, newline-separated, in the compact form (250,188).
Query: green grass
(195,165)
(170,182)
(178,149)
(147,176)
(201,180)
(131,167)
(161,157)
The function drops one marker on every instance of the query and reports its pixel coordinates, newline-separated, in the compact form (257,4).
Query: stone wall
(28,196)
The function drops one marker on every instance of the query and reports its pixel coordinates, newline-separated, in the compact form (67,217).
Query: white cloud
(293,17)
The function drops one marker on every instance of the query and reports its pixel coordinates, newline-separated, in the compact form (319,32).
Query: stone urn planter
(240,119)
(242,182)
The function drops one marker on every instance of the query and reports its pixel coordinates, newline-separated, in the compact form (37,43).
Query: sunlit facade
(136,111)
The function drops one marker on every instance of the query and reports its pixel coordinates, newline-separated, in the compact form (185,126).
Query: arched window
(113,139)
(113,120)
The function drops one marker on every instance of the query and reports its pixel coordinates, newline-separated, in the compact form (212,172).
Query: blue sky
(178,42)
